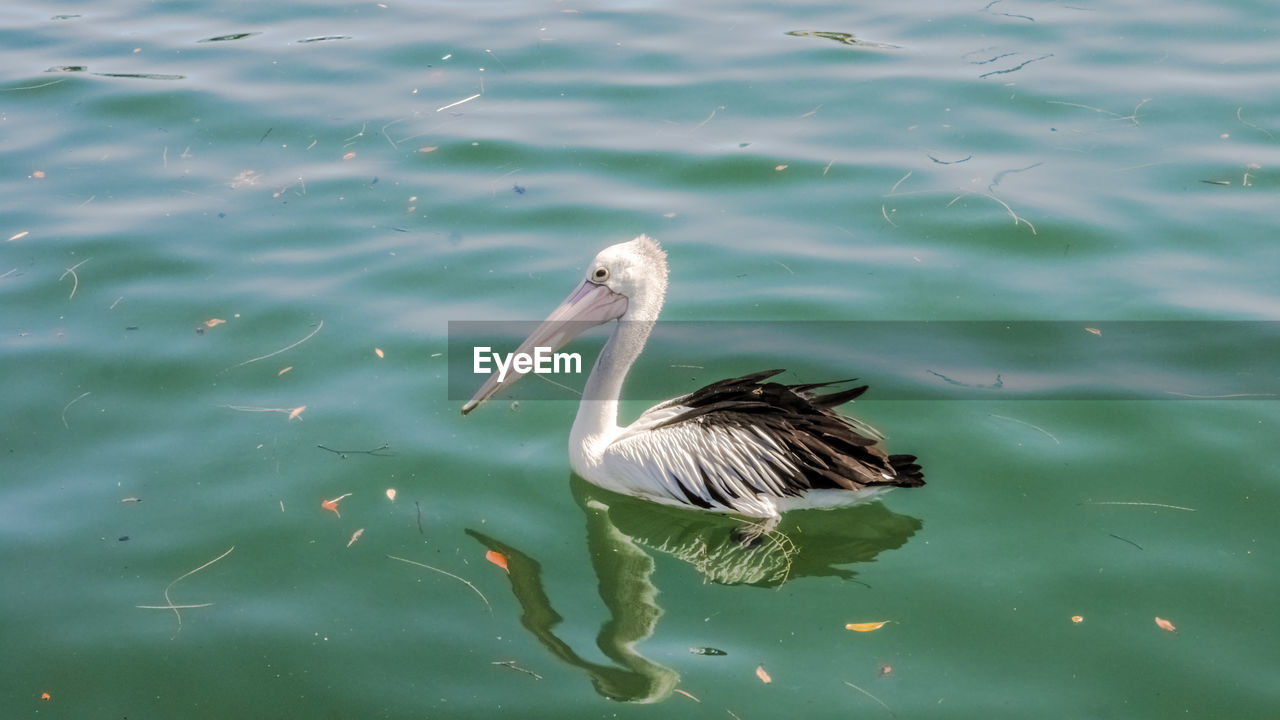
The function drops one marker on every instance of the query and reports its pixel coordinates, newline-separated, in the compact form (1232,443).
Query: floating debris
(843,38)
(497,558)
(333,504)
(228,38)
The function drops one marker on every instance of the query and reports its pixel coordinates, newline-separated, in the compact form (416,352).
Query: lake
(237,482)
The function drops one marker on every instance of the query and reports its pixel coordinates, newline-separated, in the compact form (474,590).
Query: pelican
(745,445)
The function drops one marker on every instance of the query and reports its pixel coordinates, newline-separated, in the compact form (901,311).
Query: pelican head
(624,281)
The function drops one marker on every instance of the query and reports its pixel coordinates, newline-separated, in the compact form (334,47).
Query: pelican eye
(601,274)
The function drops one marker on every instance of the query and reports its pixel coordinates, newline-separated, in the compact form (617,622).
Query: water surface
(335,179)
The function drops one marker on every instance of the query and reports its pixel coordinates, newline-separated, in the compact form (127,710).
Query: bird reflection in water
(620,533)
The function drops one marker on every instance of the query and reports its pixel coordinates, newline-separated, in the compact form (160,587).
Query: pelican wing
(741,443)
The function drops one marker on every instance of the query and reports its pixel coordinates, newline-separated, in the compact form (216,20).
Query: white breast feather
(664,463)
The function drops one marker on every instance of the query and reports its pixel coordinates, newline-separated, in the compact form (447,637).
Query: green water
(330,179)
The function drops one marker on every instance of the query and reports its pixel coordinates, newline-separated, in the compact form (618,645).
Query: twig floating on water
(277,352)
(885,213)
(167,599)
(448,574)
(82,396)
(75,279)
(455,104)
(1142,504)
(512,664)
(376,452)
(1034,427)
(901,180)
(1255,127)
(873,697)
(1125,540)
(1218,397)
(291,412)
(1015,68)
(34,87)
(1005,205)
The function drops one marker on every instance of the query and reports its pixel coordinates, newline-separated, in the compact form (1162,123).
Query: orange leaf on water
(686,694)
(378,351)
(213,322)
(1077,619)
(297,411)
(764,676)
(333,504)
(284,371)
(865,627)
(46,696)
(348,156)
(391,493)
(497,558)
(1165,624)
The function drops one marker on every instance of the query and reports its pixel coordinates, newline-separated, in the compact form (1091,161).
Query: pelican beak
(586,307)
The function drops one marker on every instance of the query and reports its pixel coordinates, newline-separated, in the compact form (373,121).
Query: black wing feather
(829,449)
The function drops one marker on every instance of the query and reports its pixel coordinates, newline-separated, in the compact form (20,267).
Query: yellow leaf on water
(1165,624)
(865,627)
(764,676)
(1077,619)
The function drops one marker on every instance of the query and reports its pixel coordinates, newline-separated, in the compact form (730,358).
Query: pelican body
(744,445)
